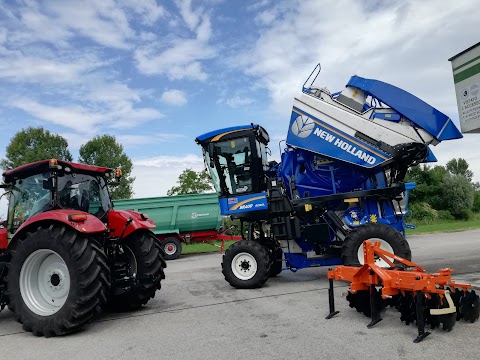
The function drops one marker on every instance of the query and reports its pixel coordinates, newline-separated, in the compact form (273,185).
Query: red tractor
(65,254)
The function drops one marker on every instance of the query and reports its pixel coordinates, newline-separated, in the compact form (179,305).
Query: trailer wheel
(172,248)
(143,261)
(58,280)
(277,262)
(246,265)
(390,240)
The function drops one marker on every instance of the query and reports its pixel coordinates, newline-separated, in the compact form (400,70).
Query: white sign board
(466,76)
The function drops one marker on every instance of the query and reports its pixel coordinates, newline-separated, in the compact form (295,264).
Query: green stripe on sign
(468,62)
(465,74)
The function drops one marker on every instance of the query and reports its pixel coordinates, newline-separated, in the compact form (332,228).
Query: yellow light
(308,207)
(77,217)
(118,173)
(53,163)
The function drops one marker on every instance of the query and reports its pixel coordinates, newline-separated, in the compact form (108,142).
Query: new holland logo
(302,127)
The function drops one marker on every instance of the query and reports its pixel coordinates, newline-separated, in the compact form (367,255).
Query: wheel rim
(244,266)
(132,260)
(170,248)
(378,260)
(44,282)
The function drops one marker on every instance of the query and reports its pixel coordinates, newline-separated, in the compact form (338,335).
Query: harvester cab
(64,247)
(236,158)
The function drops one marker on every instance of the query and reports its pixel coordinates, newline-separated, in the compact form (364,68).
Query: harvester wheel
(246,265)
(390,240)
(143,259)
(277,262)
(58,280)
(172,248)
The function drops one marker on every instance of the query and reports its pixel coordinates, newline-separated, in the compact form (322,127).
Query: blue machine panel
(243,203)
(312,134)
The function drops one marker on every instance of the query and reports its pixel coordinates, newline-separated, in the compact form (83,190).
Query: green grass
(445,226)
(196,248)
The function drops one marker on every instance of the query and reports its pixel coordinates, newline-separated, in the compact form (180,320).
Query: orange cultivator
(433,299)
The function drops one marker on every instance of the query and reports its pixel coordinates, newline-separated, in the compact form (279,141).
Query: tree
(191,182)
(458,195)
(34,144)
(105,151)
(459,167)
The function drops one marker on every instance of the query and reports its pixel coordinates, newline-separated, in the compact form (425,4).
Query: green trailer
(181,218)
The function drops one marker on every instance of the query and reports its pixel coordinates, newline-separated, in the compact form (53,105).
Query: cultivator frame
(422,297)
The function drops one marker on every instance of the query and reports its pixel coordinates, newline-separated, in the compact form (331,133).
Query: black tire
(243,256)
(172,247)
(88,276)
(150,265)
(355,239)
(277,262)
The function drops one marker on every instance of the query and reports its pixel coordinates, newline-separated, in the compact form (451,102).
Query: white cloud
(155,176)
(180,58)
(34,69)
(190,16)
(134,140)
(174,97)
(237,101)
(148,9)
(85,120)
(184,161)
(71,116)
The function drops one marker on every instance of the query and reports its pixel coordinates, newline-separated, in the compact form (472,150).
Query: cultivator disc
(425,299)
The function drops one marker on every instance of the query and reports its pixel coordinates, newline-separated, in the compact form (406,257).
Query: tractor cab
(53,184)
(236,158)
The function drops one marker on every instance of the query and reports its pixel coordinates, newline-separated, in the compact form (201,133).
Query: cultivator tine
(331,300)
(420,310)
(377,306)
(426,299)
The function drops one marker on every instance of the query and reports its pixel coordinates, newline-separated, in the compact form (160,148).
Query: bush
(464,214)
(423,212)
(445,215)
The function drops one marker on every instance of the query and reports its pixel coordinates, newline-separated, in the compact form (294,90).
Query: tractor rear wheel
(142,261)
(390,240)
(58,280)
(172,248)
(246,265)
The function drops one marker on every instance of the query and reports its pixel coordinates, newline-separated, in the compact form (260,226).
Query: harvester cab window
(234,159)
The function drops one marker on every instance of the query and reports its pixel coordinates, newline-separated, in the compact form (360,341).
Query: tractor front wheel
(246,265)
(58,280)
(142,262)
(390,240)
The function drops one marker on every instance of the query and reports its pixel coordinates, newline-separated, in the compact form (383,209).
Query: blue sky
(158,73)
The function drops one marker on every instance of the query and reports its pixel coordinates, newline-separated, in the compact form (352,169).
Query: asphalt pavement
(197,315)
